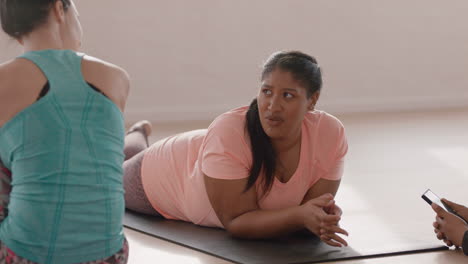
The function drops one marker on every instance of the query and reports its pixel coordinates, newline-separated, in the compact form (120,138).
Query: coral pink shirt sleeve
(334,147)
(226,153)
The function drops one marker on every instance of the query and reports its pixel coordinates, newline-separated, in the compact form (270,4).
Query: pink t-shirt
(173,168)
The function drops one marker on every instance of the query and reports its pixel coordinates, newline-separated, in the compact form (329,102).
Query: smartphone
(431,197)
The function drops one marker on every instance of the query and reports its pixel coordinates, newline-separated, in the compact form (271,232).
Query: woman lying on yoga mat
(449,227)
(260,171)
(62,138)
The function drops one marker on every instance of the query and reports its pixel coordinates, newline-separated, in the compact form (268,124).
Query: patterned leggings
(9,257)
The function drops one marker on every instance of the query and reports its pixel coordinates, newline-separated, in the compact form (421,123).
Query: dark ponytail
(304,69)
(263,154)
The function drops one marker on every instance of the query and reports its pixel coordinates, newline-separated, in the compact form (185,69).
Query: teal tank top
(66,153)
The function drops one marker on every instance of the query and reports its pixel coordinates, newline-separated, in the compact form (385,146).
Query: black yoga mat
(298,248)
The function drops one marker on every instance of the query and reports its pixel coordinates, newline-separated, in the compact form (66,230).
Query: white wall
(191,60)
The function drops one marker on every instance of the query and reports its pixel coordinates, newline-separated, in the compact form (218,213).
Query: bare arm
(242,217)
(321,187)
(112,80)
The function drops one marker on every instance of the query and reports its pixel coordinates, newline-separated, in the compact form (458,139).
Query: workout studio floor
(393,158)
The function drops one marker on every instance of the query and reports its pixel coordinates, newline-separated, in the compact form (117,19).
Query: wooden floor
(393,158)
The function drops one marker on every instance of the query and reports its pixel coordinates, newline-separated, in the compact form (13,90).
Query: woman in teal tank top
(61,142)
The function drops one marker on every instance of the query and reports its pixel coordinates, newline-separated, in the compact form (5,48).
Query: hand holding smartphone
(431,197)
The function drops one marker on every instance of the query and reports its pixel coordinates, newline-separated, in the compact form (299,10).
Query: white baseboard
(364,105)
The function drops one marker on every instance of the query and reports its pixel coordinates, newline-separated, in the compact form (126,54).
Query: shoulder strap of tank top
(58,66)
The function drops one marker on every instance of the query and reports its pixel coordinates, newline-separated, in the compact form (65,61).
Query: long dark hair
(20,18)
(305,70)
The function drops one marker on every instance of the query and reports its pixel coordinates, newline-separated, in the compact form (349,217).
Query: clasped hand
(322,217)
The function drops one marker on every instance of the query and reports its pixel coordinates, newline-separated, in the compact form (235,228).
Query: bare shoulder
(111,79)
(5,79)
(20,84)
(17,77)
(6,71)
(104,68)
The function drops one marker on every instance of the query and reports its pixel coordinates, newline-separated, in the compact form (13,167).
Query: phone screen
(431,197)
